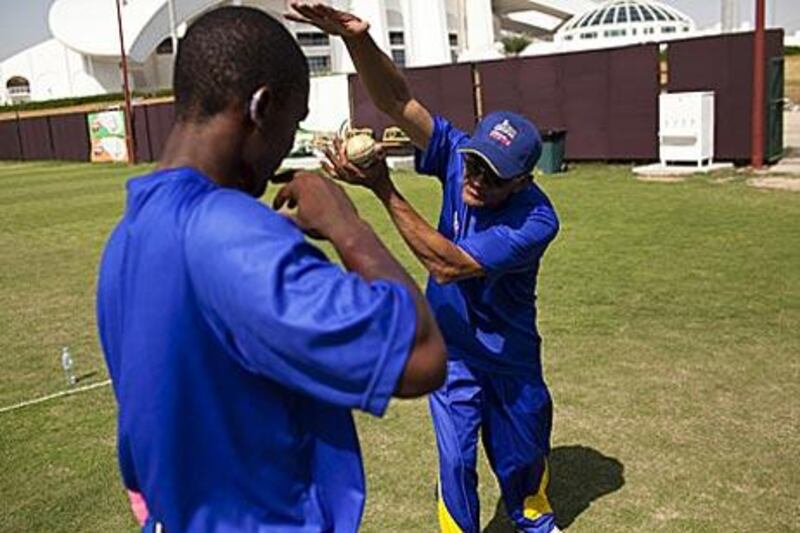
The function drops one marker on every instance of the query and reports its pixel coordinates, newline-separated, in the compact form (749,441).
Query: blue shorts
(514,415)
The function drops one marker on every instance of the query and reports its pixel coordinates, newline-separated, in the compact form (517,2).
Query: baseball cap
(508,142)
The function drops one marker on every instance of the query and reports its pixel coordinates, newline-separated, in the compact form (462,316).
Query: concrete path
(790,164)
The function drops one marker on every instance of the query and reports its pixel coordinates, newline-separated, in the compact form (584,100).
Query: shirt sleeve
(282,310)
(442,148)
(509,246)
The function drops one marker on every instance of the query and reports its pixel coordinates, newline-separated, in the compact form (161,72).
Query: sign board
(107,137)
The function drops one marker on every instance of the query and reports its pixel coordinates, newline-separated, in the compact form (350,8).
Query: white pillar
(374,12)
(173,31)
(480,24)
(427,42)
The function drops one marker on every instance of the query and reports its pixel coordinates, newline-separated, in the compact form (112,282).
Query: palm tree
(515,43)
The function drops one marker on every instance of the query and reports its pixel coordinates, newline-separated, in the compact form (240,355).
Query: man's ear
(521,182)
(258,105)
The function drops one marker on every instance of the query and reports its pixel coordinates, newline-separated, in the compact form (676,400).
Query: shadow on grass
(578,476)
(85,376)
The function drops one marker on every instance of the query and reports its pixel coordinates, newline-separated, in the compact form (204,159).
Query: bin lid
(550,134)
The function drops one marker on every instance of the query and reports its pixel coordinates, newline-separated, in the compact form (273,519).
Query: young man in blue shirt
(494,227)
(236,349)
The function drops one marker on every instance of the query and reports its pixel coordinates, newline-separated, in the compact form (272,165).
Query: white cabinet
(686,128)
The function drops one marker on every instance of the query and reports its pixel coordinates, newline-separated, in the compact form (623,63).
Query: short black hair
(227,54)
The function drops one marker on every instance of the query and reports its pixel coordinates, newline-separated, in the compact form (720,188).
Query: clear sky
(782,13)
(15,36)
(22,24)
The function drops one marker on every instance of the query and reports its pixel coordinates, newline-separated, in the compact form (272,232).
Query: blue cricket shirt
(236,351)
(490,321)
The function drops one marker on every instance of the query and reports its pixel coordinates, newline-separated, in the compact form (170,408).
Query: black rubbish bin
(553,146)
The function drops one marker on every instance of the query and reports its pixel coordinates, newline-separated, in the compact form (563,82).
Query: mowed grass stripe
(22,188)
(22,179)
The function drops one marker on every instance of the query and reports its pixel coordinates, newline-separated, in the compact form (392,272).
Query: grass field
(671,319)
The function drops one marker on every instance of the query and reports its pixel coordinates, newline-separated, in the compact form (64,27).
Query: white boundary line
(54,396)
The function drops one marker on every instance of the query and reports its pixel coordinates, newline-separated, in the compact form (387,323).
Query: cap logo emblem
(504,133)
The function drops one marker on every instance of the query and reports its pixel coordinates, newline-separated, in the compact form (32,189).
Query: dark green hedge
(111,98)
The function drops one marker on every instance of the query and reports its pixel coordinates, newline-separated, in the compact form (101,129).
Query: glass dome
(626,18)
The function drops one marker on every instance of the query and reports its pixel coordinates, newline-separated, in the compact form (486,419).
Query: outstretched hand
(326,18)
(373,177)
(323,209)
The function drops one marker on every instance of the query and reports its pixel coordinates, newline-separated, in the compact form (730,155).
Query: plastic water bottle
(68,365)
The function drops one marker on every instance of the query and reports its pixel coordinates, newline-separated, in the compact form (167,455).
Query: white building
(619,23)
(76,50)
(625,22)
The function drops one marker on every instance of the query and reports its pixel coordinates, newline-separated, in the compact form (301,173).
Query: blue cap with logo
(509,143)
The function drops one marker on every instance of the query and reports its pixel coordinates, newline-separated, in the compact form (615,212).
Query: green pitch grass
(671,321)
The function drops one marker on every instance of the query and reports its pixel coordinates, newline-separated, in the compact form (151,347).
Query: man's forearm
(362,252)
(444,260)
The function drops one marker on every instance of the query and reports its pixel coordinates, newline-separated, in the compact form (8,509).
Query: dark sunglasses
(475,166)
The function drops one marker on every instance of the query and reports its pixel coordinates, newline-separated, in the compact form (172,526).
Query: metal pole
(757,148)
(172,30)
(126,90)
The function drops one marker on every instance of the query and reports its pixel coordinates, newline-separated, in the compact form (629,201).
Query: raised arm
(385,83)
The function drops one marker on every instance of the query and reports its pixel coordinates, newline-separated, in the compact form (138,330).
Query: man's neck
(211,147)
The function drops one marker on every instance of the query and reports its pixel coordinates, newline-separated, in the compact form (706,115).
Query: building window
(596,18)
(397,38)
(583,22)
(622,14)
(452,39)
(164,47)
(668,29)
(614,33)
(319,65)
(636,15)
(19,89)
(609,18)
(313,38)
(568,38)
(397,44)
(399,57)
(647,14)
(589,35)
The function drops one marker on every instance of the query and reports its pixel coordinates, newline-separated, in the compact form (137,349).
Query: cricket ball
(360,150)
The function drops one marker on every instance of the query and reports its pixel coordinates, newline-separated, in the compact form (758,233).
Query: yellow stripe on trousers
(534,506)
(537,505)
(447,523)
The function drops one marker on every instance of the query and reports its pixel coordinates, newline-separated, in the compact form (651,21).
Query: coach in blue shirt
(494,226)
(236,349)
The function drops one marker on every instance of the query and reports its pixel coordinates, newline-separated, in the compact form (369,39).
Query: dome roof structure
(630,20)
